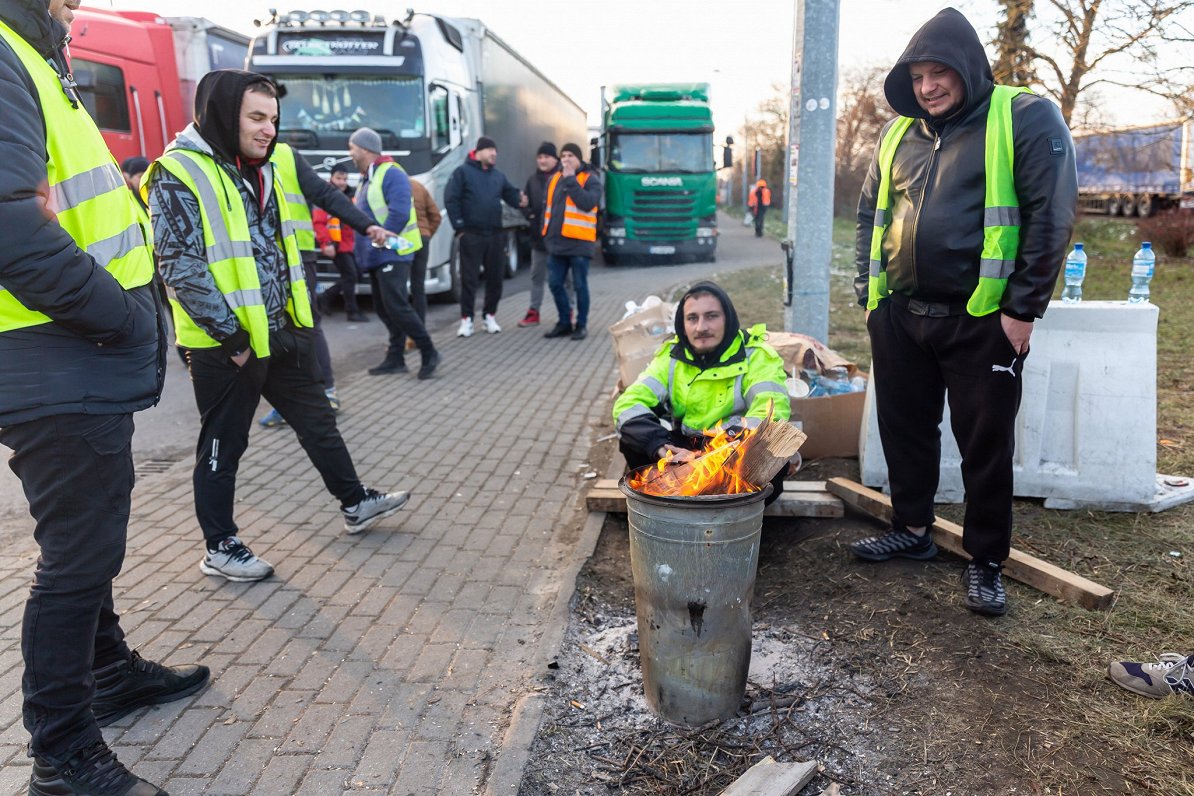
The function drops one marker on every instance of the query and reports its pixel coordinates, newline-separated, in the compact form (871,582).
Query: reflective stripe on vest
(578,224)
(229,252)
(299,223)
(376,198)
(87,193)
(1001,217)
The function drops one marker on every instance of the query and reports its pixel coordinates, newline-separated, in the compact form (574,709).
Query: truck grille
(664,214)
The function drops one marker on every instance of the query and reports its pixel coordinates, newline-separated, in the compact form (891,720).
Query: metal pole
(811,132)
(745,149)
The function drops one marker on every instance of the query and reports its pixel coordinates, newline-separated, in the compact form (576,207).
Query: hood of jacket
(217,110)
(948,39)
(32,21)
(684,352)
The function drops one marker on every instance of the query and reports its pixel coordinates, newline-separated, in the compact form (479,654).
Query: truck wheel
(1115,206)
(1145,205)
(1129,205)
(513,253)
(610,259)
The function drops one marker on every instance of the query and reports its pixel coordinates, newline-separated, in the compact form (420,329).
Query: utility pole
(811,133)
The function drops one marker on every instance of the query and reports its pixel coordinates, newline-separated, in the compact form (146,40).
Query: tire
(1115,206)
(513,258)
(453,292)
(610,260)
(1129,205)
(1146,205)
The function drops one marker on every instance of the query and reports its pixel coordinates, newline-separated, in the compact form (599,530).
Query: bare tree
(862,110)
(765,129)
(1014,62)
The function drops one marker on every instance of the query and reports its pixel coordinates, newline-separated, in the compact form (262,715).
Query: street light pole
(811,132)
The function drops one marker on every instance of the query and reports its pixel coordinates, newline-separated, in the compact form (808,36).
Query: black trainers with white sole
(896,543)
(984,588)
(375,507)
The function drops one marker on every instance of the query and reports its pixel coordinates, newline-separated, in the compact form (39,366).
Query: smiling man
(963,221)
(712,371)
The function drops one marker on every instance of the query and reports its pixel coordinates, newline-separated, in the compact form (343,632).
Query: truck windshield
(685,153)
(321,103)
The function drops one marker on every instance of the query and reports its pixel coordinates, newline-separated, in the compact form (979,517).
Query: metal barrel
(694,562)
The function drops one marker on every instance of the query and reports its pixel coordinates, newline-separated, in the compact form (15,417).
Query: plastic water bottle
(400,245)
(1075,272)
(1143,264)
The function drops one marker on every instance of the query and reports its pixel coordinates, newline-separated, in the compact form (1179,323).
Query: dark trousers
(760,213)
(227,397)
(418,280)
(477,250)
(346,288)
(391,299)
(77,474)
(918,361)
(558,270)
(636,459)
(322,354)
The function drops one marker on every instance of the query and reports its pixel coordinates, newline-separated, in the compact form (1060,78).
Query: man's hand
(1017,332)
(243,357)
(566,171)
(678,454)
(522,199)
(329,250)
(378,234)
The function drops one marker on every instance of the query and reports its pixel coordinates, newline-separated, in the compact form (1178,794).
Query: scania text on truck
(656,149)
(1135,171)
(430,86)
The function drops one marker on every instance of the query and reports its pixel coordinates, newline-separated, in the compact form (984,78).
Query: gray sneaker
(374,508)
(235,561)
(1172,674)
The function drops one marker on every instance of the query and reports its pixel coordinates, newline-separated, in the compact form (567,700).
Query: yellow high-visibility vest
(376,199)
(300,212)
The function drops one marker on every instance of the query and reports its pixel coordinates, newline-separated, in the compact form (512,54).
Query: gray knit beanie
(366,138)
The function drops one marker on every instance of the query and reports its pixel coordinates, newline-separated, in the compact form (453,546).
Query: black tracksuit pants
(227,397)
(919,361)
(476,250)
(391,301)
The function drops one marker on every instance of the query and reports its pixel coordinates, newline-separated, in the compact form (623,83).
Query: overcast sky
(741,47)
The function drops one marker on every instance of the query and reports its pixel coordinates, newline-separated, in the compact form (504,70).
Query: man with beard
(710,372)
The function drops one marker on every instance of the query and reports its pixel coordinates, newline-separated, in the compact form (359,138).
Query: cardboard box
(832,423)
(637,338)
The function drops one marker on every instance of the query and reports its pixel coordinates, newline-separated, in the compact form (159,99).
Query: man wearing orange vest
(760,200)
(570,234)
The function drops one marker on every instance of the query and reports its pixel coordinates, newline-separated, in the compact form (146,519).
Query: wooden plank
(1037,573)
(798,504)
(769,778)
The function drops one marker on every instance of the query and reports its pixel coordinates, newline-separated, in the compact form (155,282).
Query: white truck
(429,85)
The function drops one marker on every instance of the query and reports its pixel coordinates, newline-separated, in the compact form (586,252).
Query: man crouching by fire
(712,371)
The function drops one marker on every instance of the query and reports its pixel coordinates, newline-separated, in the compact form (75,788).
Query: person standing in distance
(337,242)
(547,162)
(81,350)
(570,234)
(473,199)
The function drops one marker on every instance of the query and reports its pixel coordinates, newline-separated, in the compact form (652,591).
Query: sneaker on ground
(357,317)
(389,365)
(491,325)
(896,543)
(375,507)
(466,328)
(559,330)
(1171,674)
(530,319)
(580,333)
(272,420)
(430,363)
(984,588)
(124,686)
(91,770)
(333,398)
(235,561)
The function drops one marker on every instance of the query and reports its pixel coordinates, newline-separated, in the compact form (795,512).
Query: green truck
(656,155)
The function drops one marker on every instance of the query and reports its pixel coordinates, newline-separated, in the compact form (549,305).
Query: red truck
(137,73)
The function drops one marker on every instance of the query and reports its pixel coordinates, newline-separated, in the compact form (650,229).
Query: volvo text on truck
(429,85)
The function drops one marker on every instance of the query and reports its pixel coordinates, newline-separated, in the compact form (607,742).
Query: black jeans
(346,288)
(916,360)
(227,397)
(478,250)
(322,354)
(418,280)
(635,459)
(391,299)
(760,214)
(77,473)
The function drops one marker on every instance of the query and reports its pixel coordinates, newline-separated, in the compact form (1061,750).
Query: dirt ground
(875,670)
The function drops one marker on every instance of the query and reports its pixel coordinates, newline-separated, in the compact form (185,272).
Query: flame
(715,471)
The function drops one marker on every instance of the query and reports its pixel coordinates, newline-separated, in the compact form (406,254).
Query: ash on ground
(597,736)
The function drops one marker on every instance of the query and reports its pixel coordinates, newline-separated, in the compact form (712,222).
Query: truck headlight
(616,232)
(706,232)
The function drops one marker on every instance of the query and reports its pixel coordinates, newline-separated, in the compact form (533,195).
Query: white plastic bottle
(1144,262)
(1075,272)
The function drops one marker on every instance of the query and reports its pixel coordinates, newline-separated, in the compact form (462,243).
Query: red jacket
(328,228)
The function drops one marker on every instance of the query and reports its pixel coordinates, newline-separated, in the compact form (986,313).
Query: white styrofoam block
(1087,428)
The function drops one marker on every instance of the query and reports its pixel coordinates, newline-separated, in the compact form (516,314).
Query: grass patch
(1131,553)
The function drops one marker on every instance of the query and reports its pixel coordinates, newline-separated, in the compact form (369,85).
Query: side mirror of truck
(595,152)
(727,157)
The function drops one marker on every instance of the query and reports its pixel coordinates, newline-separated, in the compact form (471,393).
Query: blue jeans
(557,271)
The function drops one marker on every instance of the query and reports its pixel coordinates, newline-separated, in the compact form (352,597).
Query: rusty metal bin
(694,561)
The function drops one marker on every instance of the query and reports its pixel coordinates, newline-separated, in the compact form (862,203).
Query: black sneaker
(984,588)
(430,363)
(580,333)
(94,771)
(389,365)
(124,686)
(896,543)
(559,330)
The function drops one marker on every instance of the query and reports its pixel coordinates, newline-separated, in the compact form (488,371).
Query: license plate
(662,250)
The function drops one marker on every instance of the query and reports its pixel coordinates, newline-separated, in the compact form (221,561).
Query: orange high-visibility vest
(334,229)
(578,224)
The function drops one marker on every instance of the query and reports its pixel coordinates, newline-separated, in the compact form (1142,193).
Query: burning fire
(716,470)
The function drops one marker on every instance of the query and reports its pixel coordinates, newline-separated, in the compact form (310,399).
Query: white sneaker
(491,325)
(375,507)
(236,562)
(466,328)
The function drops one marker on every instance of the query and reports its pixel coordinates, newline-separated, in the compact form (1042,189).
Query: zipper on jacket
(924,197)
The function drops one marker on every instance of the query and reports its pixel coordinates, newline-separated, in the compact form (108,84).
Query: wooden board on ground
(800,499)
(1037,573)
(769,778)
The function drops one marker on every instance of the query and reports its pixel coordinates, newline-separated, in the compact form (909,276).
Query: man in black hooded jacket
(80,352)
(957,254)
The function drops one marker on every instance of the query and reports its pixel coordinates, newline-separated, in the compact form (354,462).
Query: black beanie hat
(135,165)
(548,148)
(485,142)
(574,149)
